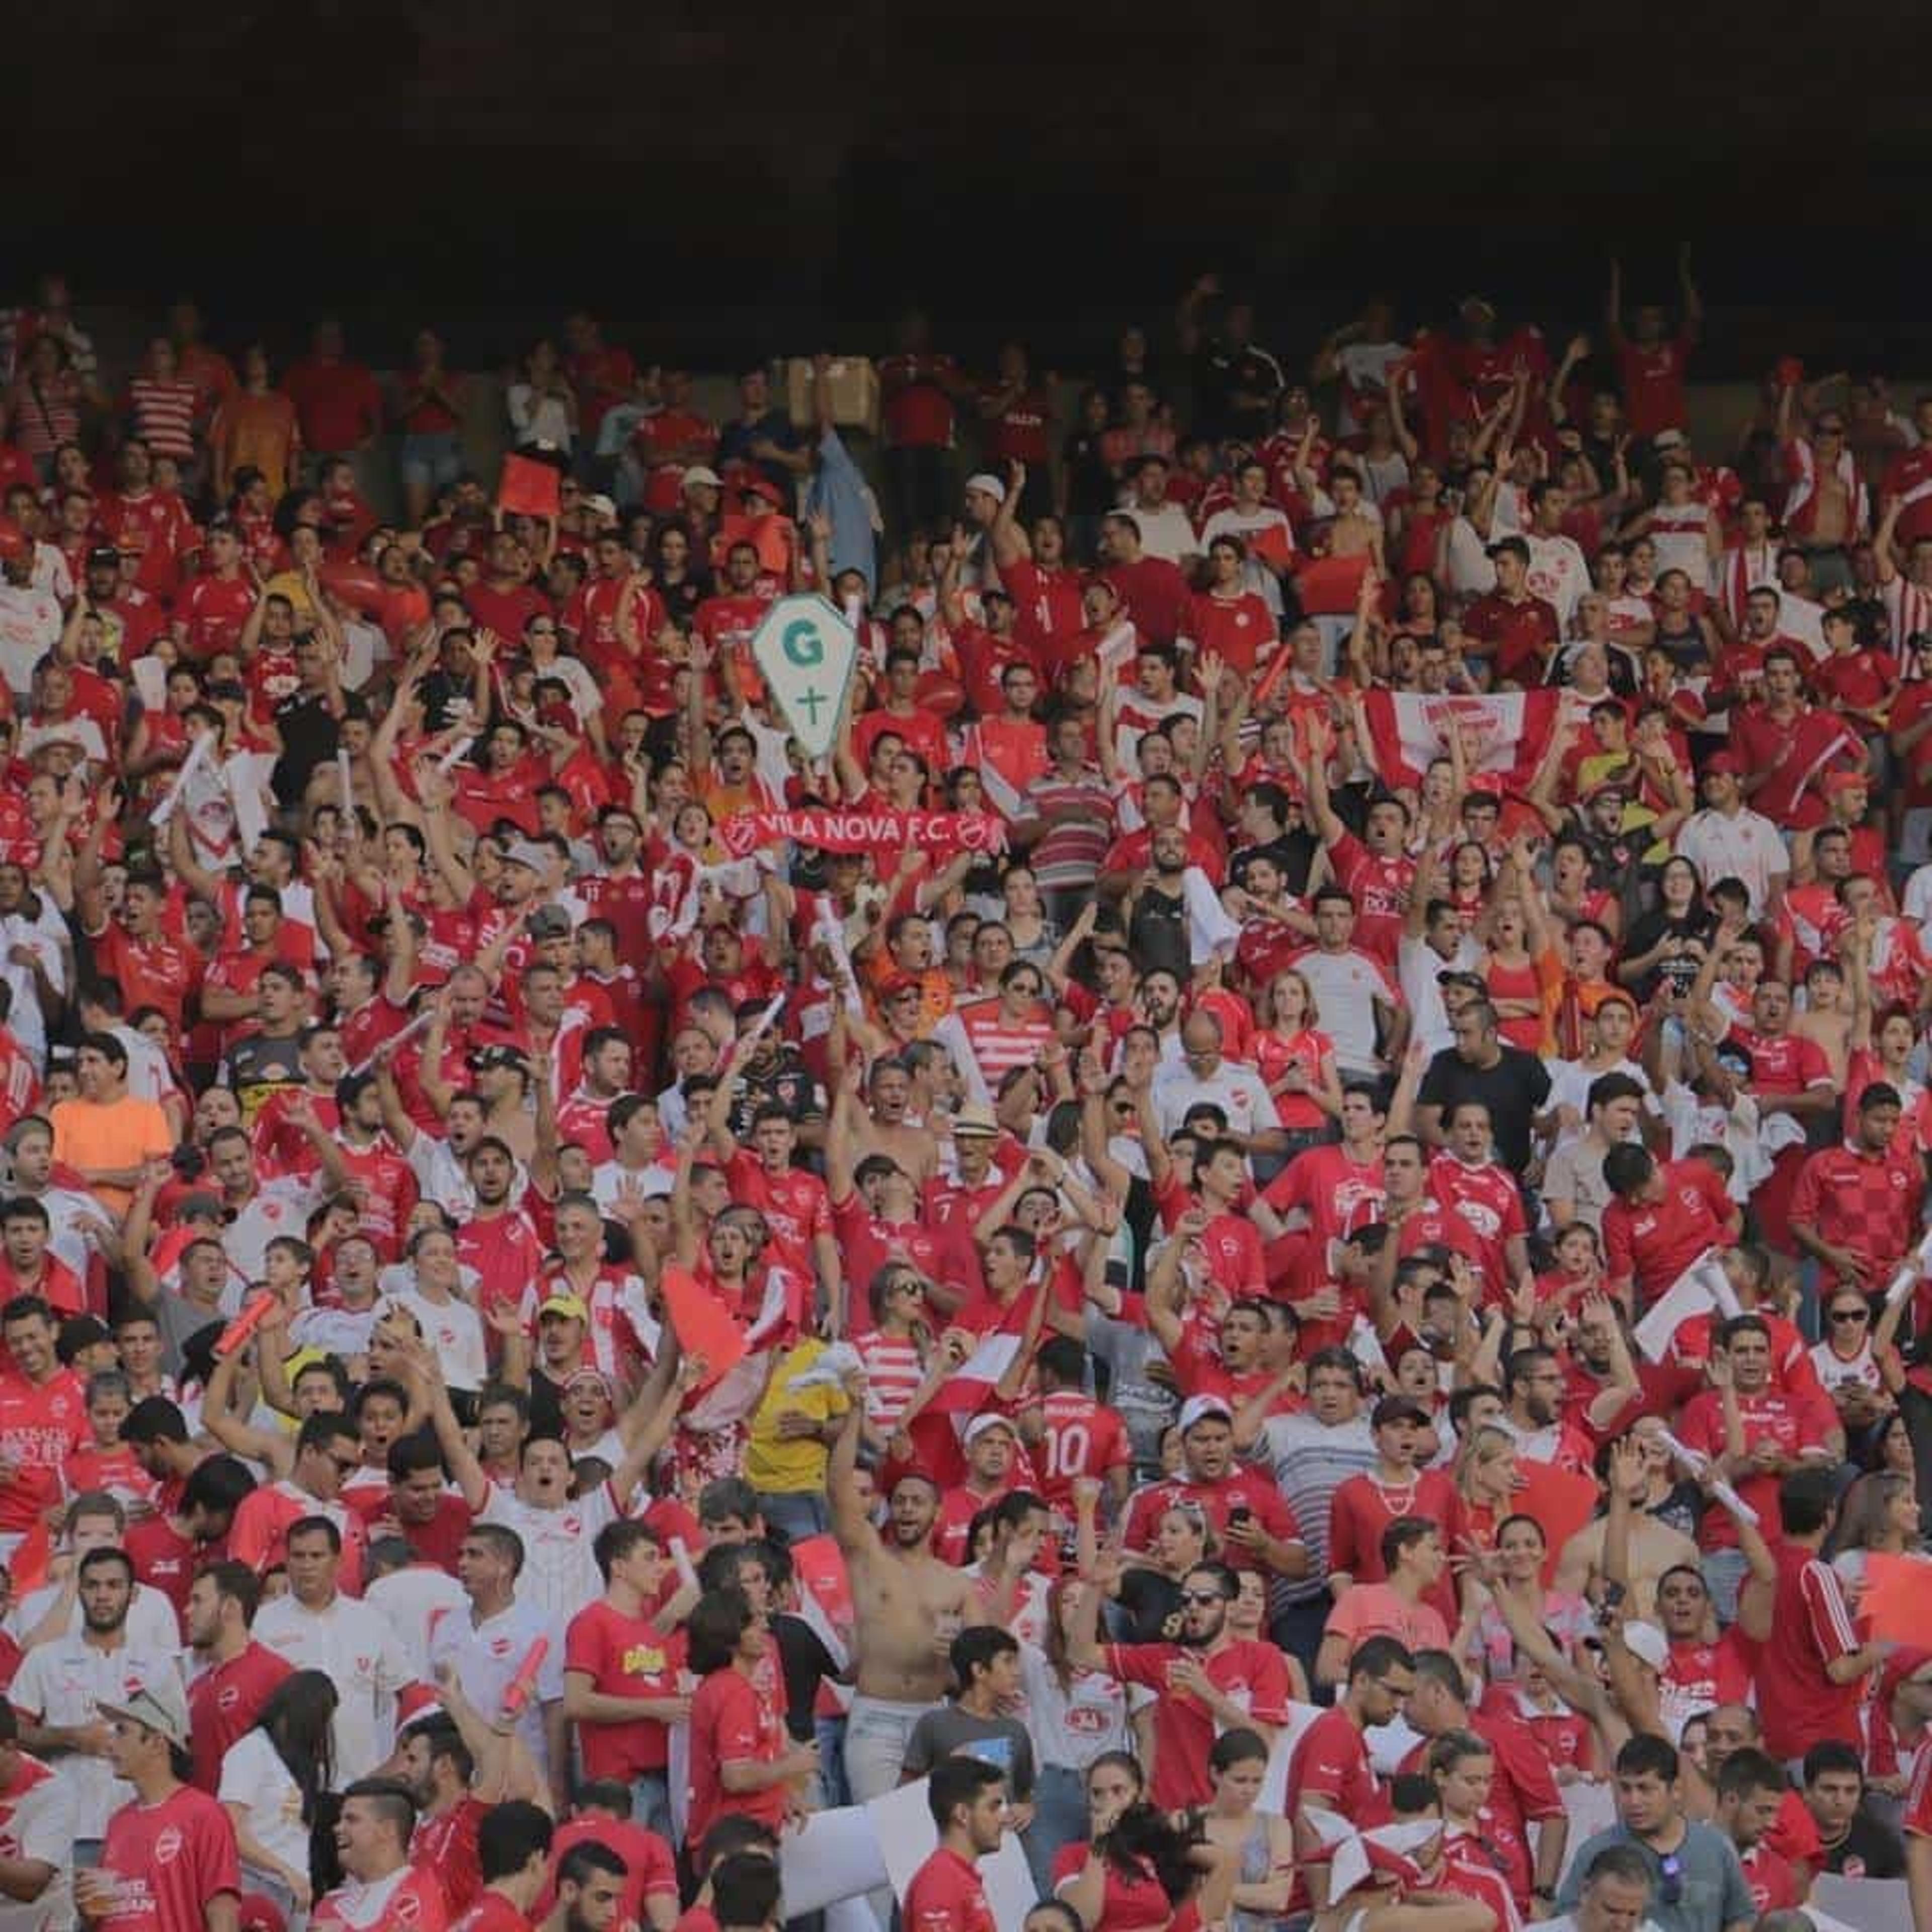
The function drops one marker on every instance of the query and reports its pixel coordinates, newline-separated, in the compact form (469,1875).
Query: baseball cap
(161,1705)
(700,472)
(1846,781)
(894,984)
(988,485)
(550,922)
(975,1118)
(978,1426)
(1669,438)
(1727,762)
(1201,1408)
(587,1374)
(758,485)
(1647,1644)
(498,1053)
(569,1306)
(104,556)
(526,852)
(602,506)
(1396,1409)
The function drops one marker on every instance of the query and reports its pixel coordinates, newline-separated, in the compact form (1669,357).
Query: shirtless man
(1827,1017)
(1654,1546)
(908,1606)
(885,1126)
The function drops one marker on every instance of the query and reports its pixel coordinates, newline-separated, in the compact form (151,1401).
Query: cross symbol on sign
(811,700)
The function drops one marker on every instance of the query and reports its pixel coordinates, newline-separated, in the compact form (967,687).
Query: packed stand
(1272,1231)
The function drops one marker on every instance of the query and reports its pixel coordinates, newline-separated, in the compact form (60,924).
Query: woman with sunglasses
(1858,1364)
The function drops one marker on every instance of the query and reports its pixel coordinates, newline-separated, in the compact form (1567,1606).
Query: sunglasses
(1202,1596)
(1851,1314)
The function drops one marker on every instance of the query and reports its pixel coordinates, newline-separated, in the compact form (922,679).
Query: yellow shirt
(794,1465)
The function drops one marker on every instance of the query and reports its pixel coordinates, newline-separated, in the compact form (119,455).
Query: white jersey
(559,1573)
(453,1328)
(63,1683)
(153,1628)
(1678,532)
(39,1823)
(487,1655)
(357,1648)
(416,1600)
(1558,574)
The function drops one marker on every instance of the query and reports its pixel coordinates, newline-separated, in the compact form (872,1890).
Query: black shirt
(1869,1849)
(1514,1090)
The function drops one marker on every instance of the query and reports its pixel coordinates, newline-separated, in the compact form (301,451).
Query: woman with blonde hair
(1485,1483)
(1297,1061)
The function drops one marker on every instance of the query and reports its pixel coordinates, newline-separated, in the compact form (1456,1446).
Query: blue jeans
(432,462)
(1724,1574)
(650,1804)
(1059,1818)
(795,1517)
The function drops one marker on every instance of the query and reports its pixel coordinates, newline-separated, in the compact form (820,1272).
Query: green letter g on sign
(802,643)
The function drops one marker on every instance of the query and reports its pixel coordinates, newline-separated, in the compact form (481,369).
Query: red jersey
(1331,1761)
(171,1859)
(1078,1437)
(213,610)
(732,1722)
(866,1243)
(445,1847)
(1380,888)
(159,972)
(1651,375)
(223,1704)
(1811,1627)
(1793,1422)
(794,1204)
(41,1425)
(1251,1674)
(622,1657)
(1489,1202)
(947,1895)
(1243,1488)
(649,1871)
(1522,633)
(1651,1243)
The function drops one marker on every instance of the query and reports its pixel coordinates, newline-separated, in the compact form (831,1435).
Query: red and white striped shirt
(893,1376)
(163,414)
(998,1044)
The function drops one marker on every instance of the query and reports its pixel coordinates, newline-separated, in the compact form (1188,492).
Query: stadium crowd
(1273,1230)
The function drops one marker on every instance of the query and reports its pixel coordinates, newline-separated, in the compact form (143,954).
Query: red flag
(528,487)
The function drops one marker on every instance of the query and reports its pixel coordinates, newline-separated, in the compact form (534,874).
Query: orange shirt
(121,1133)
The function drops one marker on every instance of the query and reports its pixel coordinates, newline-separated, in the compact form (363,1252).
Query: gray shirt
(949,1732)
(1311,1461)
(1705,1874)
(1145,1405)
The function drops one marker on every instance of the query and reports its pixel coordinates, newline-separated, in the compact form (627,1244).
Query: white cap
(990,483)
(978,1426)
(1199,1408)
(698,473)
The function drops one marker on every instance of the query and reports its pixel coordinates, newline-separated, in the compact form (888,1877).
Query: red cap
(758,484)
(1846,781)
(12,540)
(894,984)
(1724,761)
(1901,1665)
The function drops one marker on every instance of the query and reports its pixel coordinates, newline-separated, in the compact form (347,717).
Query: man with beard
(62,1684)
(1208,1682)
(967,1798)
(237,1675)
(902,1595)
(590,1880)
